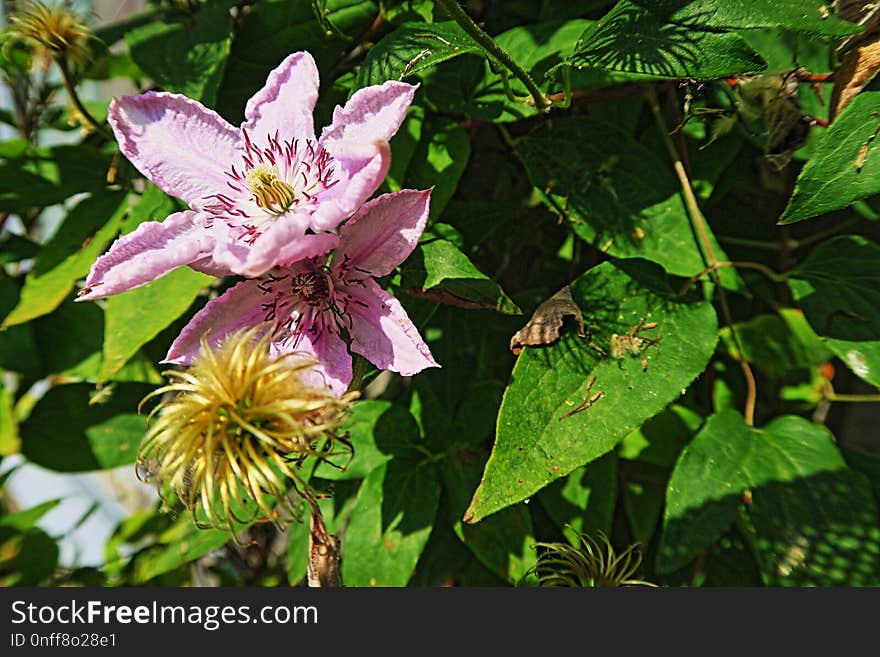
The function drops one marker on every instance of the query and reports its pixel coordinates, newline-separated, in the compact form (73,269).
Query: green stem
(488,43)
(359,368)
(77,103)
(699,222)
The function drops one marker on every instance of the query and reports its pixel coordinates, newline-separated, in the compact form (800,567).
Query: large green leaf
(617,194)
(439,161)
(812,520)
(186,56)
(438,270)
(64,432)
(833,178)
(390,523)
(584,501)
(68,256)
(135,317)
(810,16)
(538,438)
(637,39)
(411,49)
(503,543)
(378,430)
(838,288)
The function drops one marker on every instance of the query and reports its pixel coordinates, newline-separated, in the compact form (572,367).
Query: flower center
(271,193)
(312,287)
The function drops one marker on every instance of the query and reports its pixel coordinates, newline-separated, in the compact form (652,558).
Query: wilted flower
(321,306)
(53,32)
(229,433)
(253,191)
(595,564)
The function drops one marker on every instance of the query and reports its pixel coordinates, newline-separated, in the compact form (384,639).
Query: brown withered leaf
(546,322)
(859,55)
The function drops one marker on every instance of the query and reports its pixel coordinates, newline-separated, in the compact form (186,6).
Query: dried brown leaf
(546,322)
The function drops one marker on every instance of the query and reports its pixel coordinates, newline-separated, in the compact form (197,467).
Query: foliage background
(722,482)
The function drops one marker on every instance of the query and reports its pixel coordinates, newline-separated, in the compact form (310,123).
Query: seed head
(594,564)
(53,32)
(229,434)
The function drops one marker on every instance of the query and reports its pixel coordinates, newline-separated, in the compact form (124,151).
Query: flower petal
(383,333)
(239,307)
(176,142)
(334,362)
(357,141)
(282,243)
(152,250)
(360,169)
(371,113)
(385,231)
(285,104)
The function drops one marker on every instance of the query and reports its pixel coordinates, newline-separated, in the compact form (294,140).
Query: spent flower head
(594,564)
(53,32)
(229,433)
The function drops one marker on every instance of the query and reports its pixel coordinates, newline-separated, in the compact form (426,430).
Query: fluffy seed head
(594,564)
(53,32)
(229,433)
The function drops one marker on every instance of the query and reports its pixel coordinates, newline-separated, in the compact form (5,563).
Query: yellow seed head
(229,434)
(53,32)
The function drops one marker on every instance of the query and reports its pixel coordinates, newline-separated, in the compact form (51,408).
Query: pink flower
(320,308)
(254,190)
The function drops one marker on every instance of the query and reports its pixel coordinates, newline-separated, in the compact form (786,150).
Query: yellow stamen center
(270,191)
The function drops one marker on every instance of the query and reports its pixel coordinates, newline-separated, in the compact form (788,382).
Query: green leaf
(192,545)
(153,205)
(378,431)
(810,16)
(28,518)
(540,434)
(188,56)
(583,502)
(65,433)
(390,523)
(832,178)
(439,161)
(411,49)
(812,521)
(643,491)
(660,440)
(616,193)
(503,543)
(10,443)
(30,558)
(135,317)
(778,344)
(838,288)
(438,270)
(76,244)
(40,177)
(635,39)
(271,30)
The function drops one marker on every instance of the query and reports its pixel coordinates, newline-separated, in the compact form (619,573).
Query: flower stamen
(270,192)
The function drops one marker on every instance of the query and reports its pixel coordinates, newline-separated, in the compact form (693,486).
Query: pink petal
(360,169)
(371,113)
(176,142)
(150,251)
(284,105)
(357,141)
(283,242)
(334,362)
(239,307)
(385,231)
(383,333)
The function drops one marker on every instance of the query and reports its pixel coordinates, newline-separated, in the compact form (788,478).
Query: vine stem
(700,226)
(77,103)
(488,43)
(743,264)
